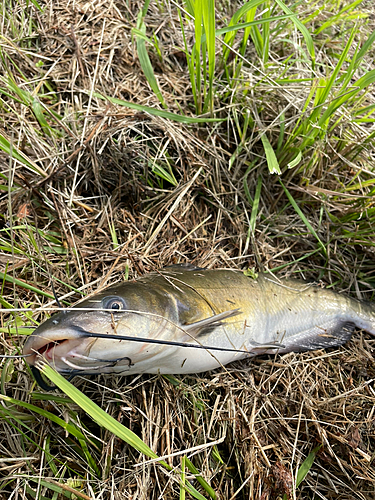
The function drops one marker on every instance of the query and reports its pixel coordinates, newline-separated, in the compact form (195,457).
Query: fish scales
(215,317)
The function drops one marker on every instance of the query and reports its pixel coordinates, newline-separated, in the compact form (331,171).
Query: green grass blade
(365,47)
(272,162)
(254,211)
(293,262)
(18,155)
(190,7)
(25,96)
(112,230)
(280,139)
(347,77)
(303,218)
(302,28)
(296,160)
(183,479)
(242,11)
(249,18)
(365,80)
(40,396)
(235,18)
(362,83)
(36,4)
(245,185)
(196,54)
(90,460)
(333,20)
(72,429)
(38,112)
(163,173)
(257,39)
(266,34)
(144,59)
(24,284)
(301,122)
(157,112)
(208,12)
(200,479)
(332,79)
(194,59)
(190,62)
(306,465)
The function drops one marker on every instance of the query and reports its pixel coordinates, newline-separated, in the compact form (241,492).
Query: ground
(94,191)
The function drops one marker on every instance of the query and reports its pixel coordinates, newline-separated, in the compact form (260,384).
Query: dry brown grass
(264,415)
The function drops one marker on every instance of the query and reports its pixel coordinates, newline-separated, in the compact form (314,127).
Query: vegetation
(137,134)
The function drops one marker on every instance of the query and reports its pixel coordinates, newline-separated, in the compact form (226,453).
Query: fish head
(82,339)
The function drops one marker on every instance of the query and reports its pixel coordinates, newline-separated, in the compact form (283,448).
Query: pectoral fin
(204,326)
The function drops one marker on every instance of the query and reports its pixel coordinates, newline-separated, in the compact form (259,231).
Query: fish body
(211,318)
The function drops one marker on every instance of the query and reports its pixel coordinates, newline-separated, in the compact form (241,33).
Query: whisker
(110,363)
(81,368)
(159,341)
(55,295)
(39,380)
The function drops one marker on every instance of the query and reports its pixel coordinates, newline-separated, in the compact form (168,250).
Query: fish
(186,319)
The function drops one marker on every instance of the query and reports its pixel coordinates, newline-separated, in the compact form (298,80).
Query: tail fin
(337,331)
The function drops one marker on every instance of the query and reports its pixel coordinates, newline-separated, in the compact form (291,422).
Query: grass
(226,134)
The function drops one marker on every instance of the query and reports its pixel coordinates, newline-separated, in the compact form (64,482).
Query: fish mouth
(40,347)
(53,351)
(70,354)
(55,344)
(47,348)
(36,347)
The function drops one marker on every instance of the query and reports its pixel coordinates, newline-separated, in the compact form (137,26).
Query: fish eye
(114,302)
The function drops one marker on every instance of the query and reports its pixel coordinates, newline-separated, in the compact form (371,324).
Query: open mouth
(46,349)
(38,346)
(68,359)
